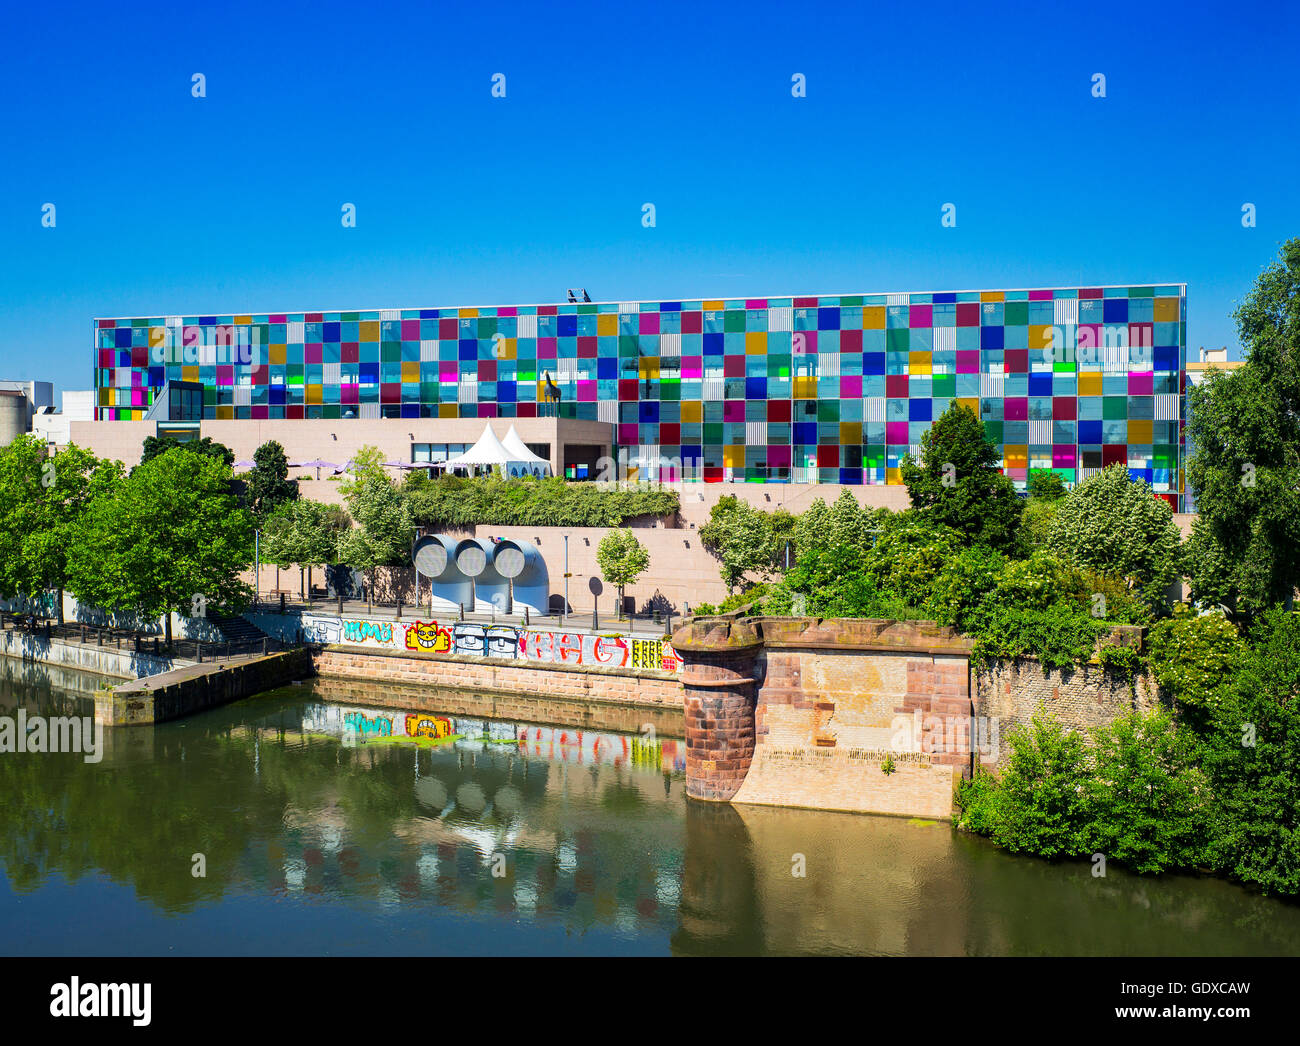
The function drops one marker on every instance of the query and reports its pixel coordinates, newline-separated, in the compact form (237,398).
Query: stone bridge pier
(720,695)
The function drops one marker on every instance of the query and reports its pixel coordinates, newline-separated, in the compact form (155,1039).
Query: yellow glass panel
(850,433)
(314,394)
(410,370)
(448,410)
(509,348)
(992,296)
(713,306)
(692,412)
(918,363)
(1016,457)
(1089,383)
(276,353)
(1166,310)
(157,335)
(873,318)
(106,398)
(189,373)
(733,456)
(805,387)
(1139,431)
(465,314)
(648,368)
(1040,335)
(972,404)
(756,343)
(225,412)
(370,330)
(894,477)
(607,325)
(243,319)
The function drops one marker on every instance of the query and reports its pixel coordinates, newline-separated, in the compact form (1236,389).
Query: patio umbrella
(316,464)
(244,464)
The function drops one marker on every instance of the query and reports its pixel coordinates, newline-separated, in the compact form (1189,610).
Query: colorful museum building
(821,389)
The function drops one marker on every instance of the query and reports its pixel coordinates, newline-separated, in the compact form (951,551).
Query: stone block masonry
(184,691)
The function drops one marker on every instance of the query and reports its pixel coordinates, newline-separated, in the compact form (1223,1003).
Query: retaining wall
(105,660)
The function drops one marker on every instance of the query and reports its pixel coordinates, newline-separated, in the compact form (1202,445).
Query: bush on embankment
(456,502)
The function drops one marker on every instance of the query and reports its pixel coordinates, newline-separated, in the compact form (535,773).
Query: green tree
(170,531)
(268,483)
(1114,525)
(307,533)
(154,446)
(745,540)
(383,514)
(44,501)
(958,484)
(1245,466)
(622,559)
(1251,749)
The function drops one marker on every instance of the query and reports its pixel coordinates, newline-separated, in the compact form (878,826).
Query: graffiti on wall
(429,638)
(421,725)
(469,639)
(380,632)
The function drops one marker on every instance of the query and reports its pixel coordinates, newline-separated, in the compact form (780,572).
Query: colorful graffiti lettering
(360,631)
(427,726)
(360,723)
(428,638)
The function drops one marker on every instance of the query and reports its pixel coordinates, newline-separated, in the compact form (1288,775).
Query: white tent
(490,451)
(519,449)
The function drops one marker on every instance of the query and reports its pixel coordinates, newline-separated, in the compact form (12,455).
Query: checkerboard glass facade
(827,389)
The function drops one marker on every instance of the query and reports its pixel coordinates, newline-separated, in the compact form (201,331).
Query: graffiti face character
(428,637)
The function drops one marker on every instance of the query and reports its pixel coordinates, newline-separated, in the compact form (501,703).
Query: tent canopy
(489,451)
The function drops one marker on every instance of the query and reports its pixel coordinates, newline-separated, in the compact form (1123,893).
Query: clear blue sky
(167,204)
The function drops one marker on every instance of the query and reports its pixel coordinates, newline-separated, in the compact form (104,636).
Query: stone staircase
(239,629)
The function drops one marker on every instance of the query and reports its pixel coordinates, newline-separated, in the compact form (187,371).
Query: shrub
(454,501)
(1194,657)
(1152,802)
(1046,797)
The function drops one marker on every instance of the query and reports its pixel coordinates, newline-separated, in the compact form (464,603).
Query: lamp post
(565,609)
(257,566)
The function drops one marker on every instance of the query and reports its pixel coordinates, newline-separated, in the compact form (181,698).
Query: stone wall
(103,660)
(184,691)
(1009,693)
(819,713)
(645,688)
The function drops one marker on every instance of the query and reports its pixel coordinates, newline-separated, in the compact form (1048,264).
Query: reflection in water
(334,828)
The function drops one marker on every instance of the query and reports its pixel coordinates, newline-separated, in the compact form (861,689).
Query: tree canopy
(1244,428)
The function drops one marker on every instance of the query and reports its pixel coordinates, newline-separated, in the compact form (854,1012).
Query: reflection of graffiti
(428,638)
(418,725)
(360,631)
(366,725)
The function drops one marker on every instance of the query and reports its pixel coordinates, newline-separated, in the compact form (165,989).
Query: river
(322,828)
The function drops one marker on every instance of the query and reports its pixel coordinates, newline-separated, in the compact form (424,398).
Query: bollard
(669,629)
(525,617)
(595,618)
(399,608)
(281,602)
(462,611)
(198,652)
(264,644)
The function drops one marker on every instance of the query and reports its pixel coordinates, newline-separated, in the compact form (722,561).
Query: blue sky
(167,204)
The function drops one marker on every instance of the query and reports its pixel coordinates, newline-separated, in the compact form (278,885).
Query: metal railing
(135,641)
